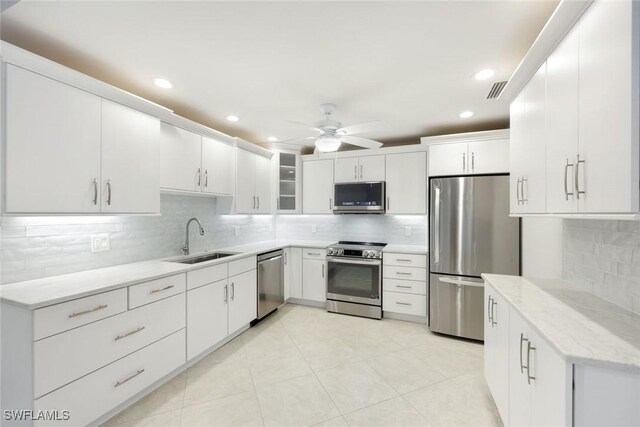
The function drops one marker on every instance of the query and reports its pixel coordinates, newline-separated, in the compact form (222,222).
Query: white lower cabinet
(243,300)
(405,285)
(293,273)
(97,393)
(314,279)
(496,349)
(206,317)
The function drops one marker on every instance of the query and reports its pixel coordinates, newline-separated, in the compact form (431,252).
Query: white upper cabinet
(180,154)
(52,146)
(360,169)
(218,167)
(581,111)
(253,183)
(448,159)
(473,157)
(317,187)
(130,160)
(406,183)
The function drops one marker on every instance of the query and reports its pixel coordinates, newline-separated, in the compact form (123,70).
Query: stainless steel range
(354,279)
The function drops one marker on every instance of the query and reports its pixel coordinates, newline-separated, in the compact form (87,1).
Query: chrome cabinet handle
(518,191)
(199,177)
(91,310)
(285,258)
(258,198)
(206,178)
(138,372)
(254,202)
(233,291)
(388,203)
(489,309)
(153,291)
(566,178)
(109,192)
(95,191)
(493,314)
(135,331)
(322,270)
(473,161)
(464,162)
(529,376)
(403,273)
(404,286)
(355,171)
(360,171)
(403,260)
(524,198)
(313,253)
(226,293)
(522,339)
(402,303)
(577,178)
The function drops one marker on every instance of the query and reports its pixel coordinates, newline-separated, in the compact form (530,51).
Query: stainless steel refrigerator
(470,233)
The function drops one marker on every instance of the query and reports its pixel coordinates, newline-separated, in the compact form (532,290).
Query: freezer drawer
(456,306)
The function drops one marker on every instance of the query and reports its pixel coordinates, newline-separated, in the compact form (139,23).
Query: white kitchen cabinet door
(246,182)
(130,160)
(551,390)
(496,348)
(406,177)
(206,317)
(314,280)
(317,187)
(243,300)
(287,272)
(180,153)
(294,268)
(263,184)
(218,167)
(533,187)
(448,159)
(52,146)
(371,168)
(488,156)
(562,124)
(608,108)
(519,389)
(346,169)
(517,151)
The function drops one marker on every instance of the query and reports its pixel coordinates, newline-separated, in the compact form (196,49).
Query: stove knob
(331,251)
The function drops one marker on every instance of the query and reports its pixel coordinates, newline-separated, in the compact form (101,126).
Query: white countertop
(38,293)
(582,327)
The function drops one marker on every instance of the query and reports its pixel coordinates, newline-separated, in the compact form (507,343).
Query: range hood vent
(496,90)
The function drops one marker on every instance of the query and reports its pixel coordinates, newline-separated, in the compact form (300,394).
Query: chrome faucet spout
(185,247)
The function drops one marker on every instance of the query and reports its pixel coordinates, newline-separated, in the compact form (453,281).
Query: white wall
(542,247)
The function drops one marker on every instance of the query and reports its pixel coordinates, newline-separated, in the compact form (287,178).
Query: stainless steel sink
(204,257)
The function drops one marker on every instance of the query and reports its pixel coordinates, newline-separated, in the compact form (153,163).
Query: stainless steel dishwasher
(270,282)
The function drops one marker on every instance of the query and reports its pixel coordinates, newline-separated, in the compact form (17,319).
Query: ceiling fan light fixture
(328,143)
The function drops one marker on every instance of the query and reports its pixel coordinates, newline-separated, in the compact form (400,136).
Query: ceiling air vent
(496,90)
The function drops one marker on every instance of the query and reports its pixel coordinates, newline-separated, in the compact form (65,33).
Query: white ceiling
(409,64)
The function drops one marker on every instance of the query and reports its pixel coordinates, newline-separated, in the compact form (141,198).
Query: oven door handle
(338,260)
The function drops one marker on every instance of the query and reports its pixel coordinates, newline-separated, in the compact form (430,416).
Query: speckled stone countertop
(582,327)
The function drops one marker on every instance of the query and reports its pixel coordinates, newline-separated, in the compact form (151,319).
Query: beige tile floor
(303,367)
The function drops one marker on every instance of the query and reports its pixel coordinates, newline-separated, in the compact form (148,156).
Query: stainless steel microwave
(359,197)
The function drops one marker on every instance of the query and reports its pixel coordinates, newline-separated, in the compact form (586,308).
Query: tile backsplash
(34,247)
(604,258)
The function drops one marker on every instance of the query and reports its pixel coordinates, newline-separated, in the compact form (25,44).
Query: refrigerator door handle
(460,282)
(436,227)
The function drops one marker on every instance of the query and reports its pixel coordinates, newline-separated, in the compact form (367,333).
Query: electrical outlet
(236,230)
(314,228)
(100,243)
(407,230)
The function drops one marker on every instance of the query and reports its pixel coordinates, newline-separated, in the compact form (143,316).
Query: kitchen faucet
(185,247)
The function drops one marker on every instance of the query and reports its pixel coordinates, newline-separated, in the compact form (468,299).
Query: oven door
(354,280)
(359,197)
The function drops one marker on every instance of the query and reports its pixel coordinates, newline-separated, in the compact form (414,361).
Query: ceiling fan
(330,133)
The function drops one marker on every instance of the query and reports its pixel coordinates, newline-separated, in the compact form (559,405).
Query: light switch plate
(100,243)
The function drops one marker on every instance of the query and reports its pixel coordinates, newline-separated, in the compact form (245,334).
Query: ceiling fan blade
(356,128)
(295,140)
(360,142)
(307,125)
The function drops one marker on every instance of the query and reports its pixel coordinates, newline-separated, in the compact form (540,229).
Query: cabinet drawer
(404,260)
(63,358)
(206,275)
(405,286)
(396,302)
(405,273)
(68,315)
(242,265)
(95,394)
(147,292)
(313,253)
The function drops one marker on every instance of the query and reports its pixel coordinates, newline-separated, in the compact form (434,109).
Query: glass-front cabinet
(287,171)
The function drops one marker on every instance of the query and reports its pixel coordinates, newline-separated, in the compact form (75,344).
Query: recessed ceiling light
(484,74)
(272,139)
(163,83)
(465,114)
(233,118)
